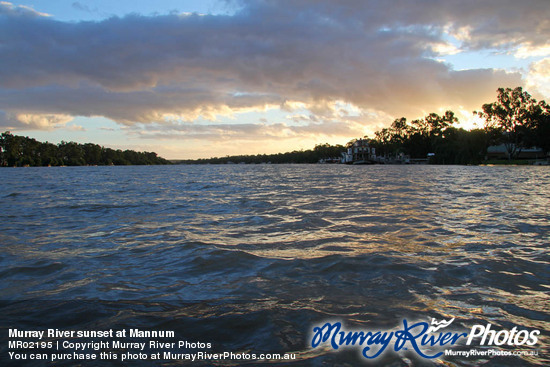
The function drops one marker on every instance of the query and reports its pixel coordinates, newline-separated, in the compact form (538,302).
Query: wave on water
(250,258)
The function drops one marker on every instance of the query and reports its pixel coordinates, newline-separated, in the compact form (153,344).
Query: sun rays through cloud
(279,72)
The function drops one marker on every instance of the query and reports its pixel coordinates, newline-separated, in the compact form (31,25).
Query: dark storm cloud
(378,55)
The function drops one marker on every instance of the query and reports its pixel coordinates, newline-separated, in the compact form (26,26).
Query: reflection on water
(284,246)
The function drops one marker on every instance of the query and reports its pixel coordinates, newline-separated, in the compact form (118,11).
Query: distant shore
(22,151)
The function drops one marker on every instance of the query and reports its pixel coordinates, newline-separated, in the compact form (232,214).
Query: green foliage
(18,151)
(322,151)
(517,121)
(459,146)
(418,138)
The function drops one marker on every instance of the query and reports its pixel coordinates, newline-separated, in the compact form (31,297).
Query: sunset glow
(248,77)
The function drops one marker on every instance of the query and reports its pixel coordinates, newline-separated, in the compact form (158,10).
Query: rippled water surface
(251,256)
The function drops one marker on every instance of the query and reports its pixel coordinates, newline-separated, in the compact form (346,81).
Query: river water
(249,258)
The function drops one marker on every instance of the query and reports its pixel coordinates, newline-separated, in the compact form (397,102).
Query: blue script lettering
(377,338)
(414,334)
(322,336)
(442,339)
(339,338)
(405,335)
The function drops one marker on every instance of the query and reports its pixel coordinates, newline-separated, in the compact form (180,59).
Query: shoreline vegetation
(516,131)
(22,151)
(516,125)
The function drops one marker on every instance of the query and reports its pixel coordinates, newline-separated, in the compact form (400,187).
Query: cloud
(245,132)
(82,7)
(530,51)
(539,77)
(149,70)
(19,11)
(29,121)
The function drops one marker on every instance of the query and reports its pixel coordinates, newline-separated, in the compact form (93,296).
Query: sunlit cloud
(539,77)
(461,33)
(20,10)
(348,67)
(246,132)
(528,51)
(28,121)
(443,49)
(72,128)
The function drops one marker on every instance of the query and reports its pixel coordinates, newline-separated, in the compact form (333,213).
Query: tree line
(515,120)
(321,151)
(20,151)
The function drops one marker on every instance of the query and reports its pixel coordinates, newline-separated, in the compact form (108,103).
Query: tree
(12,149)
(71,154)
(459,146)
(539,127)
(324,151)
(92,153)
(24,151)
(399,130)
(438,124)
(512,117)
(5,140)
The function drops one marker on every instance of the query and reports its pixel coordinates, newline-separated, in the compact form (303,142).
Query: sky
(199,79)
